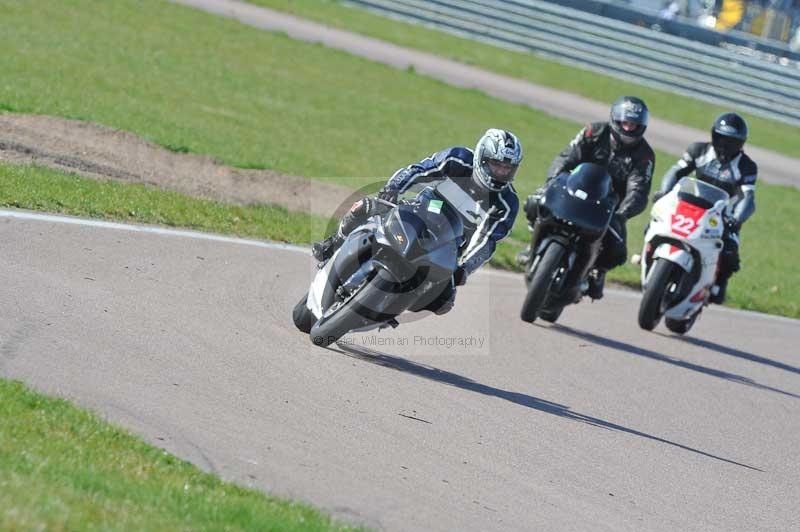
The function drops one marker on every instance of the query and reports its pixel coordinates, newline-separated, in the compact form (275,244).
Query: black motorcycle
(401,260)
(571,217)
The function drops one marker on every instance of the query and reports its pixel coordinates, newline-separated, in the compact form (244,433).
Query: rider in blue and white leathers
(476,183)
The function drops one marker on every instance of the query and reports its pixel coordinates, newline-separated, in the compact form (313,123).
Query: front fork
(585,255)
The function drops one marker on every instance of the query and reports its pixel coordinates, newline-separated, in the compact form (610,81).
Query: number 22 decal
(685,219)
(682,224)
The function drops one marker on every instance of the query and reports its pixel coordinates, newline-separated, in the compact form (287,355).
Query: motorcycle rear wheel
(680,326)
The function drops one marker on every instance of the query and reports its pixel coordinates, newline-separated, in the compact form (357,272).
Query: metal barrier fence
(714,26)
(614,48)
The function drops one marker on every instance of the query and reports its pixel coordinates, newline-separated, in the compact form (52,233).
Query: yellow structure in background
(730,15)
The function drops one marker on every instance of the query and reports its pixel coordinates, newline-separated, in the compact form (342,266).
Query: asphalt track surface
(589,425)
(669,137)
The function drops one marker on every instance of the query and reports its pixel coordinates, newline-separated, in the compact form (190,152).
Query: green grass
(32,187)
(770,134)
(62,468)
(200,83)
(205,84)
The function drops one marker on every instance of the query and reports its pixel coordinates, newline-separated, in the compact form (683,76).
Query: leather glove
(460,276)
(658,195)
(389,194)
(620,219)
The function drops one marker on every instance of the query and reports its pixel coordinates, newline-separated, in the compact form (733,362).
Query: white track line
(51,218)
(25,215)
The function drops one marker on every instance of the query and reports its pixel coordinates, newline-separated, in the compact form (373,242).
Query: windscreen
(588,214)
(588,185)
(426,224)
(700,193)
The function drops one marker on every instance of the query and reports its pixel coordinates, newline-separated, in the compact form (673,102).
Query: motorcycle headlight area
(395,232)
(407,229)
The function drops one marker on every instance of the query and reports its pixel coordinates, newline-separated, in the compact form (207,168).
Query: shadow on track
(653,355)
(548,407)
(730,351)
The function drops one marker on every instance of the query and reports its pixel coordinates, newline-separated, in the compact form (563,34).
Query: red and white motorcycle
(681,251)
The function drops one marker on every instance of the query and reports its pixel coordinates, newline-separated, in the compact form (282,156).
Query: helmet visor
(628,126)
(726,147)
(629,131)
(499,171)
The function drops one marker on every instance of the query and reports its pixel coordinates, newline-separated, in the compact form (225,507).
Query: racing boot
(597,279)
(718,292)
(324,250)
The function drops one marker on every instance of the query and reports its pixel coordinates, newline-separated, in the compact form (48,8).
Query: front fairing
(588,208)
(691,211)
(686,227)
(425,232)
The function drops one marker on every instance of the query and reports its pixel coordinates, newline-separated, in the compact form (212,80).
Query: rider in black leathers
(476,183)
(722,163)
(620,147)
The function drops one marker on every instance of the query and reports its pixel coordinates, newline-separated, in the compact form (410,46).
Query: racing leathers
(487,215)
(631,169)
(737,177)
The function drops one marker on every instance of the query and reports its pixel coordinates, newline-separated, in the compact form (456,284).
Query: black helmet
(629,109)
(728,135)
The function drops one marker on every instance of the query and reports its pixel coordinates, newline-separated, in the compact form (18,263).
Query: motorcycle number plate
(686,218)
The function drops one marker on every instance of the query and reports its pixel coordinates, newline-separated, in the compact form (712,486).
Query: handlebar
(386,203)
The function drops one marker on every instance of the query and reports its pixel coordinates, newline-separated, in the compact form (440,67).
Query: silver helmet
(497,157)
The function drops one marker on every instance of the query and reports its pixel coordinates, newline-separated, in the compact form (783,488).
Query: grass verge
(195,82)
(767,133)
(62,468)
(36,188)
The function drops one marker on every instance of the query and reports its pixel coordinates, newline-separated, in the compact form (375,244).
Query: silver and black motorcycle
(402,259)
(572,215)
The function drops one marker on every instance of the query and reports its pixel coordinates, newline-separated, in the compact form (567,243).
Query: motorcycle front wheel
(551,314)
(541,280)
(656,295)
(375,301)
(303,318)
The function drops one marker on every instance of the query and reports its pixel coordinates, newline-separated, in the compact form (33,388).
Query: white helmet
(497,157)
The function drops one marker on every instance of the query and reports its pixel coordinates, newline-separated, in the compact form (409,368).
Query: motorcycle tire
(653,303)
(345,317)
(550,315)
(303,318)
(541,281)
(680,326)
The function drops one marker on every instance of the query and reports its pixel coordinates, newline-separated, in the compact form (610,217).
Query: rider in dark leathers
(476,183)
(620,147)
(722,163)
